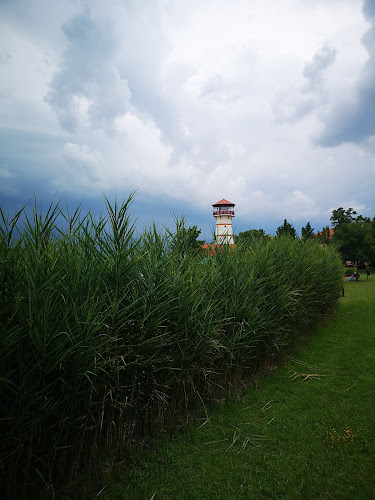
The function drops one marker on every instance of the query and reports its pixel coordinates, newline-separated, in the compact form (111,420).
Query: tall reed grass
(107,335)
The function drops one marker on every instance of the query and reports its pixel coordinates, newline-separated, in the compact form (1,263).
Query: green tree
(356,241)
(324,236)
(183,239)
(354,235)
(307,232)
(286,230)
(363,220)
(341,216)
(249,235)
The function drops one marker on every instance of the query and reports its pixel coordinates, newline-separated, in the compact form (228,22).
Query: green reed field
(305,430)
(108,335)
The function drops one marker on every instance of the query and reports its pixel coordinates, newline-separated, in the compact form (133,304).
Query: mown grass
(307,430)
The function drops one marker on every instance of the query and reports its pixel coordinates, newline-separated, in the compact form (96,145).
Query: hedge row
(107,336)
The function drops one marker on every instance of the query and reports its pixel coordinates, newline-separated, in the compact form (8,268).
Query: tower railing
(223,211)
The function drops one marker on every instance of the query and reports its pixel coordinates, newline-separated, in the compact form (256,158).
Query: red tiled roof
(211,247)
(331,233)
(223,202)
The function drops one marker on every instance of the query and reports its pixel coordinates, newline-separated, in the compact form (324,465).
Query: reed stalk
(107,336)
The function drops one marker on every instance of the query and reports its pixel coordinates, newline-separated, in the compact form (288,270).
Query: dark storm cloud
(106,67)
(151,95)
(293,105)
(368,9)
(323,59)
(46,164)
(87,73)
(155,87)
(355,122)
(25,169)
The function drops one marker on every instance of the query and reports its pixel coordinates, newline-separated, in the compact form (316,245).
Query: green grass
(284,436)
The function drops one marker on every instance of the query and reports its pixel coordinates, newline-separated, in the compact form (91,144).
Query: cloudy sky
(268,104)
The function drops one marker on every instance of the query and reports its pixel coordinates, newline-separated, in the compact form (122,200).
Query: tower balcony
(222,210)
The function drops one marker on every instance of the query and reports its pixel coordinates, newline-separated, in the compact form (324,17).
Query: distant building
(223,211)
(328,236)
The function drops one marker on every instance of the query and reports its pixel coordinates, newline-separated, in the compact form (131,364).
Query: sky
(268,104)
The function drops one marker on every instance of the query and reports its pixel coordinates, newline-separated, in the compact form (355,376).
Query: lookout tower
(223,213)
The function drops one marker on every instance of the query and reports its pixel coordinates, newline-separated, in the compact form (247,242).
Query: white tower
(223,213)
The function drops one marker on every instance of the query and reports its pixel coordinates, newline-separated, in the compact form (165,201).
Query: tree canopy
(324,236)
(356,240)
(286,230)
(341,216)
(248,235)
(354,234)
(307,232)
(185,239)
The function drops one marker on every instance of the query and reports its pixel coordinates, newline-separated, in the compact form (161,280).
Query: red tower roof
(223,202)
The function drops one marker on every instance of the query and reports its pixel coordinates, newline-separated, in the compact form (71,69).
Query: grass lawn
(306,430)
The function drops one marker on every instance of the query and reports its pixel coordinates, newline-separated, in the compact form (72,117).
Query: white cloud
(82,168)
(355,205)
(298,206)
(82,154)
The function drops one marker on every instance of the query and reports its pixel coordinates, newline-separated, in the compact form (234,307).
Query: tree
(248,235)
(341,216)
(356,241)
(307,232)
(286,230)
(363,220)
(354,235)
(184,239)
(324,236)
